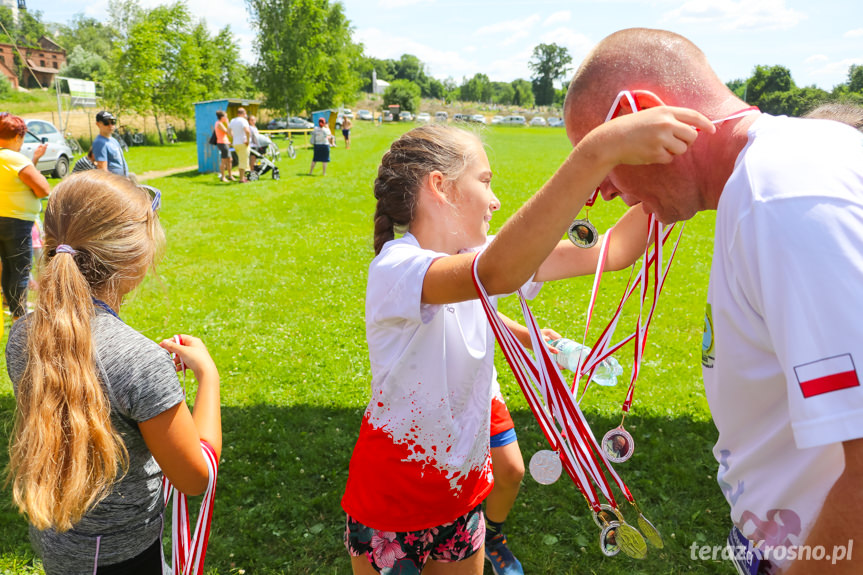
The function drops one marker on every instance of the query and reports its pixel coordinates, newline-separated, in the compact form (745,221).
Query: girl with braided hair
(421,466)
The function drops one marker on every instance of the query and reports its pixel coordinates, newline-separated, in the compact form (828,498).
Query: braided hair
(404,167)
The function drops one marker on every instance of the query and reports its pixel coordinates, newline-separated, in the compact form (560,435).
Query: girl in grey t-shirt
(100,413)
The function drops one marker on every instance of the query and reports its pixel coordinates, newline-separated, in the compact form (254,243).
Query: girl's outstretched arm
(627,244)
(174,436)
(529,236)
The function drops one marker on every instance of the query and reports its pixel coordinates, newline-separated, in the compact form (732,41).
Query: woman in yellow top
(21,187)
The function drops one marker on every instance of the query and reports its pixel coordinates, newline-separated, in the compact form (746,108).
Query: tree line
(159,61)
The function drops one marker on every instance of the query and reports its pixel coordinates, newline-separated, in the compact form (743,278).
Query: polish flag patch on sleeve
(826,375)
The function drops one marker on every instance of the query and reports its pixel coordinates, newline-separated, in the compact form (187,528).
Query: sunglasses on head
(155,196)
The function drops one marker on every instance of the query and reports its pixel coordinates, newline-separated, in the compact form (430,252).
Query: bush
(5,88)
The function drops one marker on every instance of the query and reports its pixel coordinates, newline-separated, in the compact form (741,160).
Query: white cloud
(737,14)
(816,58)
(837,69)
(510,68)
(441,63)
(577,44)
(558,18)
(854,33)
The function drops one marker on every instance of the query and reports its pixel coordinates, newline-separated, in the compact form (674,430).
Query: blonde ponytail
(64,452)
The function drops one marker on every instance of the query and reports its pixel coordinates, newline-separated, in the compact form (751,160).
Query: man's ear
(645,99)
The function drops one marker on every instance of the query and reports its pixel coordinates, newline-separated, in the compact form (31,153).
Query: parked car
(346,112)
(405,116)
(365,115)
(461,118)
(513,121)
(538,121)
(58,155)
(277,124)
(297,123)
(478,118)
(555,122)
(388,116)
(423,117)
(497,120)
(441,116)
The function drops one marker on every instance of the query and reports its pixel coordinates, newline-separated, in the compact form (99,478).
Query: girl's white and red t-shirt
(422,458)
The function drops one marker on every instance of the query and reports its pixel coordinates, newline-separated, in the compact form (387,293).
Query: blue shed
(329,117)
(205,119)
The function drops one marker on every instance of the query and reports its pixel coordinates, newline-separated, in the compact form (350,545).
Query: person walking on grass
(100,414)
(322,139)
(426,427)
(782,340)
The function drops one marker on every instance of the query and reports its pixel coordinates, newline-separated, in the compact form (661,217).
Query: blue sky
(816,40)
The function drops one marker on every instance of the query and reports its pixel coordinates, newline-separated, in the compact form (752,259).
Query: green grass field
(272,276)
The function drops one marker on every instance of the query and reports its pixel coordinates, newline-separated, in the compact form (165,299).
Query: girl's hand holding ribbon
(190,352)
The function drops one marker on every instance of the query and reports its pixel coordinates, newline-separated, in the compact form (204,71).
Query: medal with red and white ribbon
(188,549)
(568,432)
(618,443)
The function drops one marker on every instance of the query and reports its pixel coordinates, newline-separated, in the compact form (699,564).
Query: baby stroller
(266,155)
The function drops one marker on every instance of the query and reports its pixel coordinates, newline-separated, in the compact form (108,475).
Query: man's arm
(100,155)
(838,523)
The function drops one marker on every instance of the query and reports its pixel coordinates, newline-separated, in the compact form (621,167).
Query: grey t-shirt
(141,383)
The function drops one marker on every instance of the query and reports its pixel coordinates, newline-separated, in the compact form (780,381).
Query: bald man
(783,331)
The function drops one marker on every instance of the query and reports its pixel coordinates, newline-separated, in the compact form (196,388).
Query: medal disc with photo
(630,541)
(608,543)
(606,515)
(618,445)
(651,533)
(582,233)
(545,467)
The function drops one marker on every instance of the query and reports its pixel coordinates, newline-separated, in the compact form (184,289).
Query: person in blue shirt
(106,150)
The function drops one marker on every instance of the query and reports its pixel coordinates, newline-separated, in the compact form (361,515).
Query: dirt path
(143,177)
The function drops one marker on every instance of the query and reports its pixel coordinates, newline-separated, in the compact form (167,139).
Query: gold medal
(650,532)
(631,542)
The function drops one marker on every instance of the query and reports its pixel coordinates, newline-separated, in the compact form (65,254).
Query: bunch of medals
(574,447)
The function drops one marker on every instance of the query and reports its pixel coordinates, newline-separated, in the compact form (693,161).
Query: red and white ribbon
(553,405)
(188,550)
(652,266)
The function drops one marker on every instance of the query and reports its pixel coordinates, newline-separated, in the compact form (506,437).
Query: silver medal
(545,467)
(618,445)
(608,539)
(582,233)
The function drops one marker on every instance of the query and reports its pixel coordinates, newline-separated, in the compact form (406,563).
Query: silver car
(58,155)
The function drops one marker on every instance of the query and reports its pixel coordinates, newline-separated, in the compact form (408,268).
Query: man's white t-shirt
(238,127)
(422,458)
(783,344)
